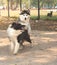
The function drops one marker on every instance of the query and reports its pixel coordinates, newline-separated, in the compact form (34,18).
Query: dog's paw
(31,45)
(14,53)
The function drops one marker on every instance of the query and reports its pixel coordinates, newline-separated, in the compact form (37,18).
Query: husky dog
(19,32)
(24,19)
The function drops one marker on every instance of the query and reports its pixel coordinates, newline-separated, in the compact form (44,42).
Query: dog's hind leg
(31,45)
(17,45)
(11,46)
(29,40)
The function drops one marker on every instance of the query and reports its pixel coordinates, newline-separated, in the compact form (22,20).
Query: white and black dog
(19,32)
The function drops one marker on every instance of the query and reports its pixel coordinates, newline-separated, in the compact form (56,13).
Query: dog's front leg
(29,28)
(17,45)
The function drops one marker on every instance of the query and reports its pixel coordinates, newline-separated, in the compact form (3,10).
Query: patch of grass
(34,17)
(44,17)
(53,18)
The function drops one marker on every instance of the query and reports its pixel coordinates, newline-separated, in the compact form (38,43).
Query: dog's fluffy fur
(19,32)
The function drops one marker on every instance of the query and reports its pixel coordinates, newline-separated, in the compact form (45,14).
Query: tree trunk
(20,5)
(38,9)
(8,10)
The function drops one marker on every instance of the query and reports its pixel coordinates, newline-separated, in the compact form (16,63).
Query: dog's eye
(26,15)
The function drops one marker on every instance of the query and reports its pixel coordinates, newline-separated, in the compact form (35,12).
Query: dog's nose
(25,18)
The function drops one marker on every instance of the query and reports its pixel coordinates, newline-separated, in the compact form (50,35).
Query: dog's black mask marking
(25,11)
(17,26)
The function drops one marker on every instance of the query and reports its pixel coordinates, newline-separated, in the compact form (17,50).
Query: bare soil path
(43,52)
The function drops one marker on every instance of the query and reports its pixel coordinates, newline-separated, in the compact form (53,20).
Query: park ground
(44,40)
(43,52)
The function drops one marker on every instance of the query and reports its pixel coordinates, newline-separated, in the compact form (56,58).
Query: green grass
(44,17)
(34,17)
(53,18)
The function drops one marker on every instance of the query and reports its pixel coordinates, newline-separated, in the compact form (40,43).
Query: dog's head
(25,15)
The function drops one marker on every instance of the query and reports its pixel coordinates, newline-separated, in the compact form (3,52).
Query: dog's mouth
(25,18)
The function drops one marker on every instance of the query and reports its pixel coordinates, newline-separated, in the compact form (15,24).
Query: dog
(50,14)
(24,18)
(18,32)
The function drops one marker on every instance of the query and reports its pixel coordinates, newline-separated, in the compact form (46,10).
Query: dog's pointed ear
(29,10)
(20,12)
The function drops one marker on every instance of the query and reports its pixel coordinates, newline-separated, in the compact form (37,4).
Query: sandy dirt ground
(43,52)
